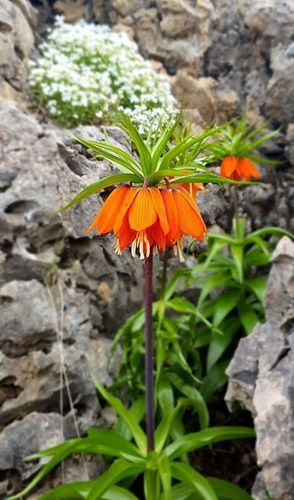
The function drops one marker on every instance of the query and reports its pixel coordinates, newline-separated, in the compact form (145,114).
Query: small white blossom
(87,70)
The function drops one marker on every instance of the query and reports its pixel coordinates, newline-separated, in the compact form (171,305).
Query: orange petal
(106,216)
(193,205)
(171,212)
(247,169)
(228,166)
(128,200)
(155,235)
(190,220)
(142,213)
(160,208)
(125,235)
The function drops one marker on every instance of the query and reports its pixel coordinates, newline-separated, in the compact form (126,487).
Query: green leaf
(118,493)
(116,155)
(225,238)
(143,150)
(206,437)
(248,317)
(165,395)
(164,469)
(217,245)
(195,397)
(219,343)
(74,491)
(100,441)
(80,490)
(237,253)
(181,305)
(215,179)
(65,450)
(183,492)
(137,433)
(227,491)
(98,186)
(189,476)
(239,226)
(151,478)
(163,430)
(264,138)
(120,469)
(160,145)
(257,285)
(137,410)
(214,380)
(263,245)
(224,304)
(274,231)
(210,283)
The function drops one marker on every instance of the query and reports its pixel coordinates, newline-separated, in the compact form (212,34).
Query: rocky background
(59,288)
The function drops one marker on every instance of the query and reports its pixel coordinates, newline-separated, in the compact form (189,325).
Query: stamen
(141,249)
(147,245)
(133,248)
(180,251)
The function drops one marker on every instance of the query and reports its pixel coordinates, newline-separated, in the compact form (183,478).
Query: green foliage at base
(165,472)
(195,338)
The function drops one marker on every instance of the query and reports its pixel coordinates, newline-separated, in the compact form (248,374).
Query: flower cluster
(150,218)
(87,70)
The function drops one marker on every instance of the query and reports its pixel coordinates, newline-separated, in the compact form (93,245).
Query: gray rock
(289,149)
(61,292)
(22,438)
(280,92)
(16,42)
(19,330)
(261,375)
(271,20)
(212,205)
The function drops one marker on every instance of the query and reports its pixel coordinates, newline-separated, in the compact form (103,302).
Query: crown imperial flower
(149,217)
(153,205)
(239,168)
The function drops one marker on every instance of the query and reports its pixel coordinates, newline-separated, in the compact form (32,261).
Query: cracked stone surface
(223,58)
(261,376)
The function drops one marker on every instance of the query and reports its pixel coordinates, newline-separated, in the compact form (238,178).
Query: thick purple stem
(149,352)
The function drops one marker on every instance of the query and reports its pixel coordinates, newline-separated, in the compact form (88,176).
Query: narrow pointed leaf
(98,186)
(227,491)
(144,153)
(237,253)
(206,437)
(213,178)
(189,476)
(80,490)
(137,432)
(224,305)
(120,469)
(214,380)
(158,148)
(112,153)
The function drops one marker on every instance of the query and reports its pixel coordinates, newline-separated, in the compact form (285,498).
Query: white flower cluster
(87,70)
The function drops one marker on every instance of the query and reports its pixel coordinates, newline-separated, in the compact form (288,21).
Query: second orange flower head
(239,168)
(148,217)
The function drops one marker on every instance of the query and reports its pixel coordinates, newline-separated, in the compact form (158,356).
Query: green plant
(165,472)
(195,340)
(159,455)
(239,139)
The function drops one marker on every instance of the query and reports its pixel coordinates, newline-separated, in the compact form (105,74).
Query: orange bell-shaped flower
(239,168)
(149,217)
